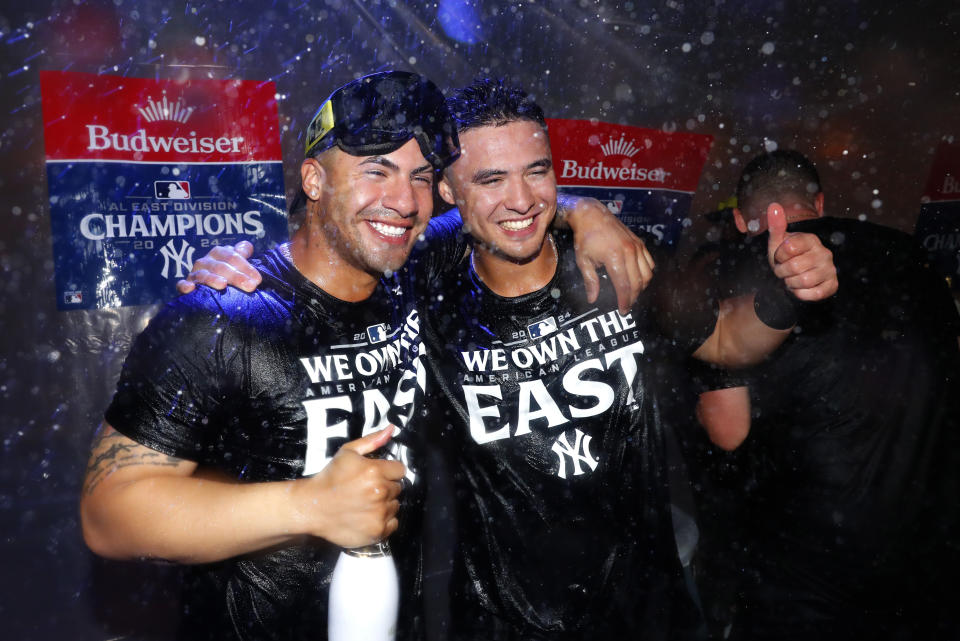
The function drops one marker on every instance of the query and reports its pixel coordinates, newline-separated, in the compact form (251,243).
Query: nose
(519,196)
(401,198)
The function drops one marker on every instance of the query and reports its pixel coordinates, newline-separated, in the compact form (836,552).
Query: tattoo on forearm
(112,452)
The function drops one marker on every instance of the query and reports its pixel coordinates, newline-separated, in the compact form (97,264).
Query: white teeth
(388,230)
(517,225)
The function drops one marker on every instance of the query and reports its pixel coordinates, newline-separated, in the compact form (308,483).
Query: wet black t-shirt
(549,415)
(854,447)
(267,386)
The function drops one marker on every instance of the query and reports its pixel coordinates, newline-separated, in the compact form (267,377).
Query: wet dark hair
(773,176)
(492,102)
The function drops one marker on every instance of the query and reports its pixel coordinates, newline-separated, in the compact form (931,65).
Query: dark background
(867,89)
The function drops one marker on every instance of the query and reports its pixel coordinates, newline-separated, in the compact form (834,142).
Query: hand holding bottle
(353,500)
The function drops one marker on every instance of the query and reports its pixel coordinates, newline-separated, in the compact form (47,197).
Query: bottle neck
(379,549)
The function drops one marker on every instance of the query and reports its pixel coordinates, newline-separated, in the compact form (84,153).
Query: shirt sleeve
(706,377)
(169,395)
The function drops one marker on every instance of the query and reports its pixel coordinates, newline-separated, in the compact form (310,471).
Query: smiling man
(235,442)
(506,190)
(550,414)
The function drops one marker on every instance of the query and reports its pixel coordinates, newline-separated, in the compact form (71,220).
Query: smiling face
(368,211)
(505,188)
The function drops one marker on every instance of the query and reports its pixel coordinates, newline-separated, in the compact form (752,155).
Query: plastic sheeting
(868,88)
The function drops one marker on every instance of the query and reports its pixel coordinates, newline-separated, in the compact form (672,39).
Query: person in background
(847,434)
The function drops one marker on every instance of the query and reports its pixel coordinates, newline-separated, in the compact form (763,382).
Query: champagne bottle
(364,595)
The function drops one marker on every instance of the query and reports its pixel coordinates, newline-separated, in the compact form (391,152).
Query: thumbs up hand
(777,228)
(353,500)
(800,260)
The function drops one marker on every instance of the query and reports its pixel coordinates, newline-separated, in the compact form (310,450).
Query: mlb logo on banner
(171,189)
(542,328)
(146,174)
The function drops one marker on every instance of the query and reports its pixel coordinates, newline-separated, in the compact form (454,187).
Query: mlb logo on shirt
(542,328)
(171,189)
(377,333)
(72,298)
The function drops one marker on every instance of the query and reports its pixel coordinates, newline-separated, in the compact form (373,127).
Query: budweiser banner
(645,176)
(144,175)
(938,225)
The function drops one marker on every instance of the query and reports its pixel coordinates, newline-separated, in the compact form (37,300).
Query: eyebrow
(422,169)
(380,160)
(486,174)
(389,164)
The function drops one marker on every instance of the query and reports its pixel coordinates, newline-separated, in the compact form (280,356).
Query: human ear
(818,203)
(446,192)
(312,177)
(739,220)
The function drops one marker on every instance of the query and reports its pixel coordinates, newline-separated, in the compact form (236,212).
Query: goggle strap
(321,125)
(429,151)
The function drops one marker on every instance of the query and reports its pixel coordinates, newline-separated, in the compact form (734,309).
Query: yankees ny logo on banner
(183,258)
(578,454)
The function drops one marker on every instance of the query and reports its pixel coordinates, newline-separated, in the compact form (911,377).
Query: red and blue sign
(144,175)
(646,177)
(938,226)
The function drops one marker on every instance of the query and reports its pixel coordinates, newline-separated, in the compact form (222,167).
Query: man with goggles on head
(236,440)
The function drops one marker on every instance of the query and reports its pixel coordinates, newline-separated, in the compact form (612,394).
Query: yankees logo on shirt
(547,406)
(511,389)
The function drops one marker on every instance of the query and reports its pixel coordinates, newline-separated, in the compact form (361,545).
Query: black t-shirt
(267,386)
(854,442)
(549,415)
